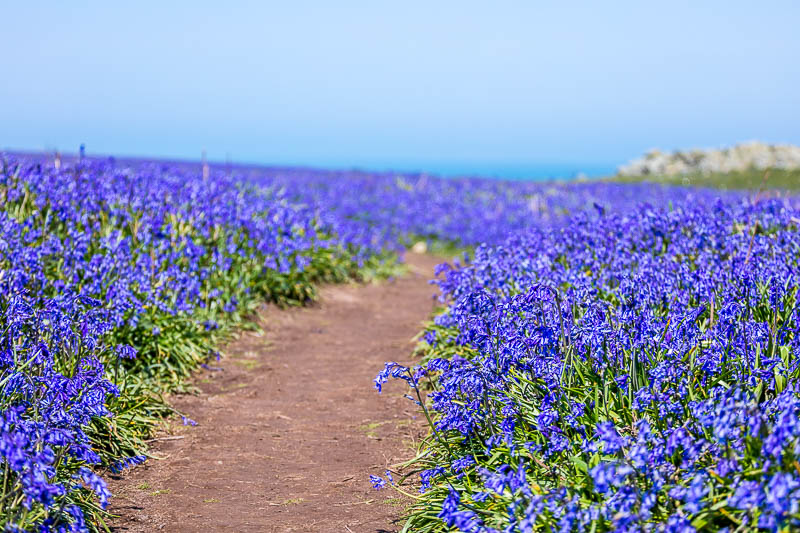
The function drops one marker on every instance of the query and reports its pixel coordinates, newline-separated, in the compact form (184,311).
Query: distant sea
(515,171)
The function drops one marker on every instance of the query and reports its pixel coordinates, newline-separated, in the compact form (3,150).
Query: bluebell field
(632,368)
(612,357)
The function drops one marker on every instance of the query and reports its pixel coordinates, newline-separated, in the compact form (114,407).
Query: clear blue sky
(436,85)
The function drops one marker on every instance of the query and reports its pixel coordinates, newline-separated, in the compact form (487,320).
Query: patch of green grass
(449,250)
(248,364)
(740,180)
(370,428)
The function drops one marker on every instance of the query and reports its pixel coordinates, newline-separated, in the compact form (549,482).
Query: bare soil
(290,425)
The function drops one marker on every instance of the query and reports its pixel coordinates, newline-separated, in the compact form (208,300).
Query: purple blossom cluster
(391,210)
(579,319)
(631,369)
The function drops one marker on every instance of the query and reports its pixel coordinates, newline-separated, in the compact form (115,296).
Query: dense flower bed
(117,279)
(631,370)
(464,212)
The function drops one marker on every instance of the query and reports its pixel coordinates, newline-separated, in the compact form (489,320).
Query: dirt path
(291,427)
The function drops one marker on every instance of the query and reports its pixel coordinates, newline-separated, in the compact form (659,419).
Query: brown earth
(291,426)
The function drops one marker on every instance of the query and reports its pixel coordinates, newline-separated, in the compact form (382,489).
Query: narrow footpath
(290,426)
